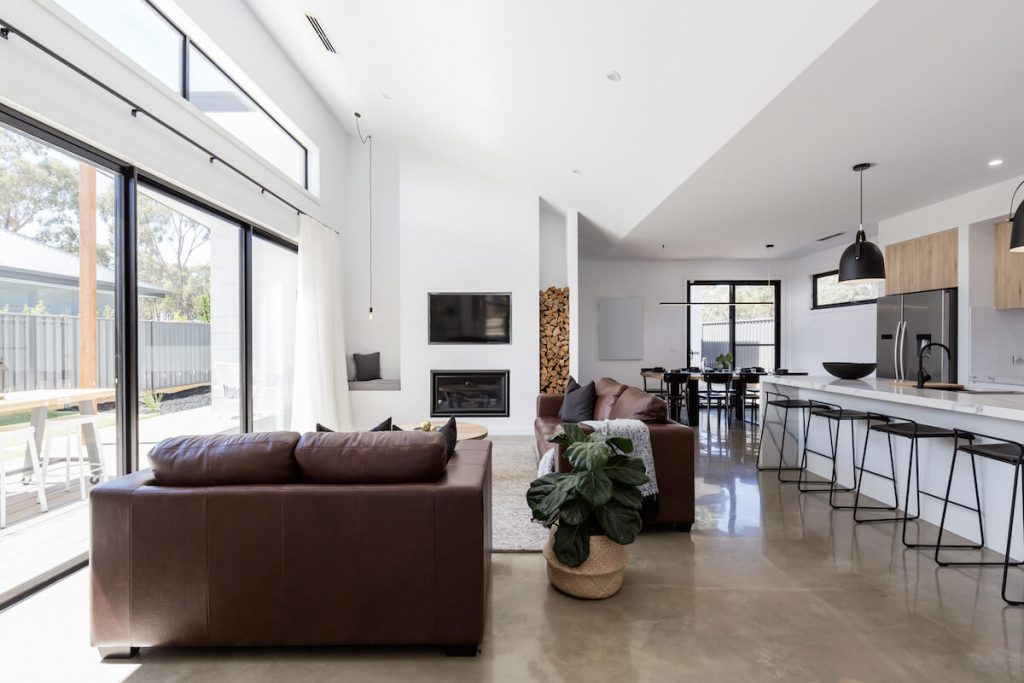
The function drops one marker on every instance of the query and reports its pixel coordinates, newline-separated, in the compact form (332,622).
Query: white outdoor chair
(28,435)
(74,431)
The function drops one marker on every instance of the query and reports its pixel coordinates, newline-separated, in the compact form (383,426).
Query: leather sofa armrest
(110,558)
(548,405)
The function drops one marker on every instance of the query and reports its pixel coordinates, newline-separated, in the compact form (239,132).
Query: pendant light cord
(861,173)
(1012,198)
(364,140)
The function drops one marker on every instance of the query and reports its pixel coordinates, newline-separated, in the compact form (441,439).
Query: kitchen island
(999,414)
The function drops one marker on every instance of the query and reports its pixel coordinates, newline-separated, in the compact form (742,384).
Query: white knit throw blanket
(634,430)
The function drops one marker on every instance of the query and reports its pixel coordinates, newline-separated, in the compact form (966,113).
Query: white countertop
(1001,406)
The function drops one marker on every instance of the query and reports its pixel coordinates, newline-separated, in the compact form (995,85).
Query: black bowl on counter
(849,370)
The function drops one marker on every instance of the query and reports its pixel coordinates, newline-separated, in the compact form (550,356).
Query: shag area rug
(514,466)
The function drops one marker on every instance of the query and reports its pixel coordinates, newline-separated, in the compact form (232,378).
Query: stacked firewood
(554,340)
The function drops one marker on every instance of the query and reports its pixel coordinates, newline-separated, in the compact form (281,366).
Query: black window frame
(129,178)
(733,284)
(815,306)
(183,87)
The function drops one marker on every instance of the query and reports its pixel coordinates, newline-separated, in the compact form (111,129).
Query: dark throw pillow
(578,404)
(321,428)
(384,426)
(450,433)
(367,366)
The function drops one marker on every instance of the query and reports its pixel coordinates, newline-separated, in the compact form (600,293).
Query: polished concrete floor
(770,586)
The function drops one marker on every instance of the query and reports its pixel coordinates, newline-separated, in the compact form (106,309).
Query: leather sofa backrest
(635,404)
(225,459)
(371,457)
(608,391)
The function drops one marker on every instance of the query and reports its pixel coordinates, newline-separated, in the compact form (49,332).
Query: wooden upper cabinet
(1009,271)
(923,263)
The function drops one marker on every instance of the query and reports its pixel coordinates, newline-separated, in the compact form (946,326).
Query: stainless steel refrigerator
(906,322)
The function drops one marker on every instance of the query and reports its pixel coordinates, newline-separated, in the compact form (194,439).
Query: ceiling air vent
(834,235)
(320,33)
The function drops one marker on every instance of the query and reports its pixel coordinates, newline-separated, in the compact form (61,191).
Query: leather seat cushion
(371,457)
(543,427)
(634,404)
(225,459)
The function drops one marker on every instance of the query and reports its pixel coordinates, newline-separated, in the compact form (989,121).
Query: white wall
(461,232)
(52,93)
(553,247)
(383,333)
(812,337)
(664,333)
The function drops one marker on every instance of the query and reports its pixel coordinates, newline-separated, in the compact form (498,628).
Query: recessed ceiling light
(385,96)
(614,76)
(995,162)
(576,171)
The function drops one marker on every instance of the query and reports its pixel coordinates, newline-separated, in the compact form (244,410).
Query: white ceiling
(930,90)
(518,89)
(734,125)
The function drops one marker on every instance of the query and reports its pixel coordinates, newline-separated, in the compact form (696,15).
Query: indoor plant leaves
(600,495)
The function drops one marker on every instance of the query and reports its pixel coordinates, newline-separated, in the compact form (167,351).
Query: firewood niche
(554,340)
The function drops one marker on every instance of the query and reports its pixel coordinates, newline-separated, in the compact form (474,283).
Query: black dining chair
(660,391)
(751,395)
(718,394)
(676,394)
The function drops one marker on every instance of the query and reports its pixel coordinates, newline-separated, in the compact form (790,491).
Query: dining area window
(734,323)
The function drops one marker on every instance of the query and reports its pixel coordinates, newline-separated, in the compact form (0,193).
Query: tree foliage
(36,189)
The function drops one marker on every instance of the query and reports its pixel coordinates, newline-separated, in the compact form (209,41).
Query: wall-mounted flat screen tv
(480,318)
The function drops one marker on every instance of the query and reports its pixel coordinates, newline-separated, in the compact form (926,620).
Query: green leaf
(621,524)
(627,496)
(567,482)
(548,509)
(595,487)
(626,470)
(538,492)
(572,544)
(588,455)
(621,443)
(567,434)
(574,511)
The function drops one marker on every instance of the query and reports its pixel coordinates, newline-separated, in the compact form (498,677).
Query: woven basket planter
(599,577)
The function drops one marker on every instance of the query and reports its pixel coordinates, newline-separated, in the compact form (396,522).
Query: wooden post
(88,369)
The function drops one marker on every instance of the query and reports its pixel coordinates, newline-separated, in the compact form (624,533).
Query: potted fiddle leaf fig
(594,511)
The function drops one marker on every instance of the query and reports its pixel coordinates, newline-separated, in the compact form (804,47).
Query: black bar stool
(751,401)
(1005,451)
(785,404)
(676,395)
(909,429)
(832,412)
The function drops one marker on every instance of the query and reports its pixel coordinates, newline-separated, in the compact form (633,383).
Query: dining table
(739,385)
(39,402)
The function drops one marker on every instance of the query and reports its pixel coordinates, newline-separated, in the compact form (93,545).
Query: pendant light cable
(365,140)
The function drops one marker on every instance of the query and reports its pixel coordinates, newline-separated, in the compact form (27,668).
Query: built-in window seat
(376,385)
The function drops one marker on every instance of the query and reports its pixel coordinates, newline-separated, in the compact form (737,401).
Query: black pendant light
(1017,234)
(862,262)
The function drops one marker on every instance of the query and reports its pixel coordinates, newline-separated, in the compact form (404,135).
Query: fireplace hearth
(469,393)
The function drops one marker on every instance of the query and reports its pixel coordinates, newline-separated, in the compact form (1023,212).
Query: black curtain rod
(6,30)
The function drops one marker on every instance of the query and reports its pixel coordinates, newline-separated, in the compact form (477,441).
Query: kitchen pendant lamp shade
(862,262)
(1017,234)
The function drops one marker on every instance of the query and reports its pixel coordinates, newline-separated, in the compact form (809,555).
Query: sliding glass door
(275,270)
(130,311)
(59,434)
(189,306)
(738,321)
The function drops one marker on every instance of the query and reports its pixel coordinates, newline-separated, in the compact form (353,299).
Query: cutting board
(933,385)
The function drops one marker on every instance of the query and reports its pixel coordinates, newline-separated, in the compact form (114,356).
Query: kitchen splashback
(996,337)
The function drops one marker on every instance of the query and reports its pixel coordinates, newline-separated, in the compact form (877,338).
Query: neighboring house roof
(23,258)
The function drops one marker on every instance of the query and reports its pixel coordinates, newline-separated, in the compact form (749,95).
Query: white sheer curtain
(321,374)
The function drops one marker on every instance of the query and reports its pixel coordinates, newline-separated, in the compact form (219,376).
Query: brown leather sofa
(671,443)
(277,539)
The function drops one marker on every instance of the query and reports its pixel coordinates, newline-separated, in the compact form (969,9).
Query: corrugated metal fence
(715,341)
(41,352)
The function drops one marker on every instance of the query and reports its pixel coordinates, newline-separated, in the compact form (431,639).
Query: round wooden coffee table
(466,431)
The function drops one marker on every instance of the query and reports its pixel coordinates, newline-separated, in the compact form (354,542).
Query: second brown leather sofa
(672,443)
